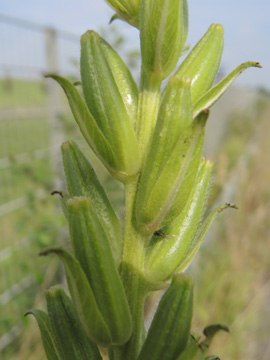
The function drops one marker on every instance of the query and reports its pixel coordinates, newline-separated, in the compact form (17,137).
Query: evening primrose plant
(151,140)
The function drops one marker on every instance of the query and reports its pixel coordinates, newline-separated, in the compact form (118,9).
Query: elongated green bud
(202,63)
(163,31)
(70,340)
(127,10)
(176,243)
(169,331)
(212,95)
(83,297)
(92,249)
(111,96)
(47,336)
(82,181)
(162,196)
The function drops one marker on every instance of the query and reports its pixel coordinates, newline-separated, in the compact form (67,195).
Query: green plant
(152,142)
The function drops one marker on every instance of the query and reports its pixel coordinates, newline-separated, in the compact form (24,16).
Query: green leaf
(202,63)
(210,331)
(111,96)
(87,124)
(162,33)
(82,181)
(169,331)
(176,243)
(47,337)
(200,234)
(70,339)
(211,96)
(162,194)
(83,297)
(92,249)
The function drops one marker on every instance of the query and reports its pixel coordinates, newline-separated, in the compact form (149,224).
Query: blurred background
(232,269)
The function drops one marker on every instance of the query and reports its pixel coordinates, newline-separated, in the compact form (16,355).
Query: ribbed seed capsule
(162,32)
(83,297)
(92,249)
(70,340)
(202,63)
(161,197)
(111,96)
(82,181)
(169,331)
(176,242)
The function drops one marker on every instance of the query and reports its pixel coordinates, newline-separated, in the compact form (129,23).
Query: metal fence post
(54,103)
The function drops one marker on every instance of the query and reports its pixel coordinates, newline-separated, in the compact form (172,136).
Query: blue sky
(246,24)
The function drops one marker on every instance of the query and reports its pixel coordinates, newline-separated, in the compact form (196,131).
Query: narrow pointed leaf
(200,234)
(168,252)
(86,122)
(211,96)
(92,249)
(202,63)
(47,337)
(83,297)
(169,331)
(210,331)
(70,340)
(82,181)
(185,21)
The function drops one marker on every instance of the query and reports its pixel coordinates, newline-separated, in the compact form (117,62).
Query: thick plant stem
(132,275)
(147,109)
(132,266)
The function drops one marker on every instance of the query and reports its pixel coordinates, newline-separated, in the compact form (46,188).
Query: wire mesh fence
(33,114)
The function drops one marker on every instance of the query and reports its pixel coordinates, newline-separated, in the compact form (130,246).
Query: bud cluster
(152,142)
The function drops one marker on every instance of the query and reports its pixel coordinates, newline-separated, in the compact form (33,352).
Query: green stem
(147,109)
(132,265)
(132,268)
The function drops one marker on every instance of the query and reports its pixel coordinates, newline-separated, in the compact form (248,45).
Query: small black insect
(57,192)
(160,233)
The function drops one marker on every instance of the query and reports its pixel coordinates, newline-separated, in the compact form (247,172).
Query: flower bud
(111,96)
(127,10)
(91,247)
(165,184)
(176,242)
(82,181)
(169,331)
(83,297)
(202,63)
(163,31)
(68,336)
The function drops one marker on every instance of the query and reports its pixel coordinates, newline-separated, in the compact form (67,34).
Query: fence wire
(33,114)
